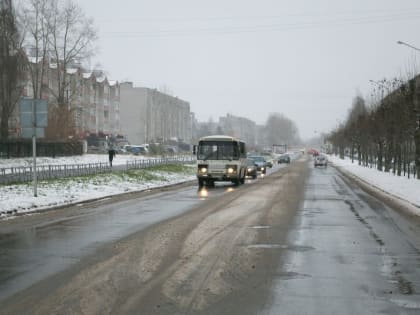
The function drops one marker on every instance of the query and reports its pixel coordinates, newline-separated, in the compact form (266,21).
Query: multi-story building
(240,127)
(147,115)
(93,99)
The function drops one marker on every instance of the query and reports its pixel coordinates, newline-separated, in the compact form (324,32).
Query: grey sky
(306,59)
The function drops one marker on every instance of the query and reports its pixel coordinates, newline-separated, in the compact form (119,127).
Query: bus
(221,158)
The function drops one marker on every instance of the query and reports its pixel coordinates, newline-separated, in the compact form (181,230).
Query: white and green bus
(221,158)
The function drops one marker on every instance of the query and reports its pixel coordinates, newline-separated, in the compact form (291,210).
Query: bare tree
(11,65)
(35,20)
(61,38)
(280,130)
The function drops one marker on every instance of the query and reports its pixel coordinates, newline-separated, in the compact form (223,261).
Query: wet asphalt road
(31,253)
(347,253)
(35,247)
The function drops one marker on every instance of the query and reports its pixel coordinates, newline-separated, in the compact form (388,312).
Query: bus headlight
(202,169)
(230,169)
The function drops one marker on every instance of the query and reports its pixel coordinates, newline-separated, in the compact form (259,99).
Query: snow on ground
(399,186)
(119,159)
(20,198)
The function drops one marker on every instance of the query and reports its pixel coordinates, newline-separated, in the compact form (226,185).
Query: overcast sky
(306,59)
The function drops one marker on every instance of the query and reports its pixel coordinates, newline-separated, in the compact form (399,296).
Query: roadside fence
(23,174)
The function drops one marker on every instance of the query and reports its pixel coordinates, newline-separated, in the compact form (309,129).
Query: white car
(320,160)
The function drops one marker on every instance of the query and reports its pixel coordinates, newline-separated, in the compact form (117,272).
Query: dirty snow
(19,198)
(404,188)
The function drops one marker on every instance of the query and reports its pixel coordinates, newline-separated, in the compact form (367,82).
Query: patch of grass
(138,175)
(141,175)
(173,168)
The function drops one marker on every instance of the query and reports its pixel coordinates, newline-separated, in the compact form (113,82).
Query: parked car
(320,160)
(260,162)
(251,168)
(284,158)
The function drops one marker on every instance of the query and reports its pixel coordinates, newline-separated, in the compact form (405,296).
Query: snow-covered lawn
(399,186)
(119,159)
(20,198)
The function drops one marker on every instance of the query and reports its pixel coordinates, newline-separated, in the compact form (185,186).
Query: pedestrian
(111,154)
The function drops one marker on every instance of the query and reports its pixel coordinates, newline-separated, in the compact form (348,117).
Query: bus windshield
(218,150)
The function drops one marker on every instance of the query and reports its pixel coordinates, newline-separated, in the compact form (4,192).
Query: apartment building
(148,115)
(240,127)
(94,100)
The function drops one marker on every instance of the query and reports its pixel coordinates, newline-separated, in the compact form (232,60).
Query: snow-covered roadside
(398,186)
(120,159)
(18,199)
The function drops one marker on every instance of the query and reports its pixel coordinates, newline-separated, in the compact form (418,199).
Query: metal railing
(44,172)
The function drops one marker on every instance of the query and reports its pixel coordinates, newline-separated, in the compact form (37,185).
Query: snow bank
(399,186)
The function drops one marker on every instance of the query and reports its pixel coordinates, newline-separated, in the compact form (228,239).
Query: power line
(224,30)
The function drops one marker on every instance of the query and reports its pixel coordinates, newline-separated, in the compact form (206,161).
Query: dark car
(260,162)
(284,158)
(251,168)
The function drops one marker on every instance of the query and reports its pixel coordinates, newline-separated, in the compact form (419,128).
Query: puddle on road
(293,275)
(295,248)
(260,227)
(267,246)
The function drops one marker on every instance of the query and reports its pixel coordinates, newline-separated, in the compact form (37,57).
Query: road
(299,241)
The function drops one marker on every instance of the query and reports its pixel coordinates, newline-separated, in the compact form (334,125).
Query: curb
(385,196)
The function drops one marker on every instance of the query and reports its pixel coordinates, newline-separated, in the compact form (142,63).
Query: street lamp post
(408,45)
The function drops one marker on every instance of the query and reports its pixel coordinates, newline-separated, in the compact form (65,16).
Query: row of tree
(39,34)
(386,133)
(278,129)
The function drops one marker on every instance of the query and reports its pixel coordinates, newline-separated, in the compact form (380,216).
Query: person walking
(111,151)
(111,154)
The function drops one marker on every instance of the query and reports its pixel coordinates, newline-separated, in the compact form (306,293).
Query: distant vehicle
(251,168)
(284,158)
(313,152)
(260,162)
(221,158)
(136,149)
(268,159)
(320,160)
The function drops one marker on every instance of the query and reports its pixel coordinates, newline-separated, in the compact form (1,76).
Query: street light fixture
(408,45)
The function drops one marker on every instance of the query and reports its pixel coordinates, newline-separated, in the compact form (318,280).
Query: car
(269,160)
(251,168)
(320,160)
(284,158)
(260,162)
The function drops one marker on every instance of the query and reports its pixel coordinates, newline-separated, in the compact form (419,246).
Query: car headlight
(262,168)
(230,170)
(203,170)
(249,169)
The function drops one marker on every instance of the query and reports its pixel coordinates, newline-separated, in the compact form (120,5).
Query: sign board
(28,132)
(41,113)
